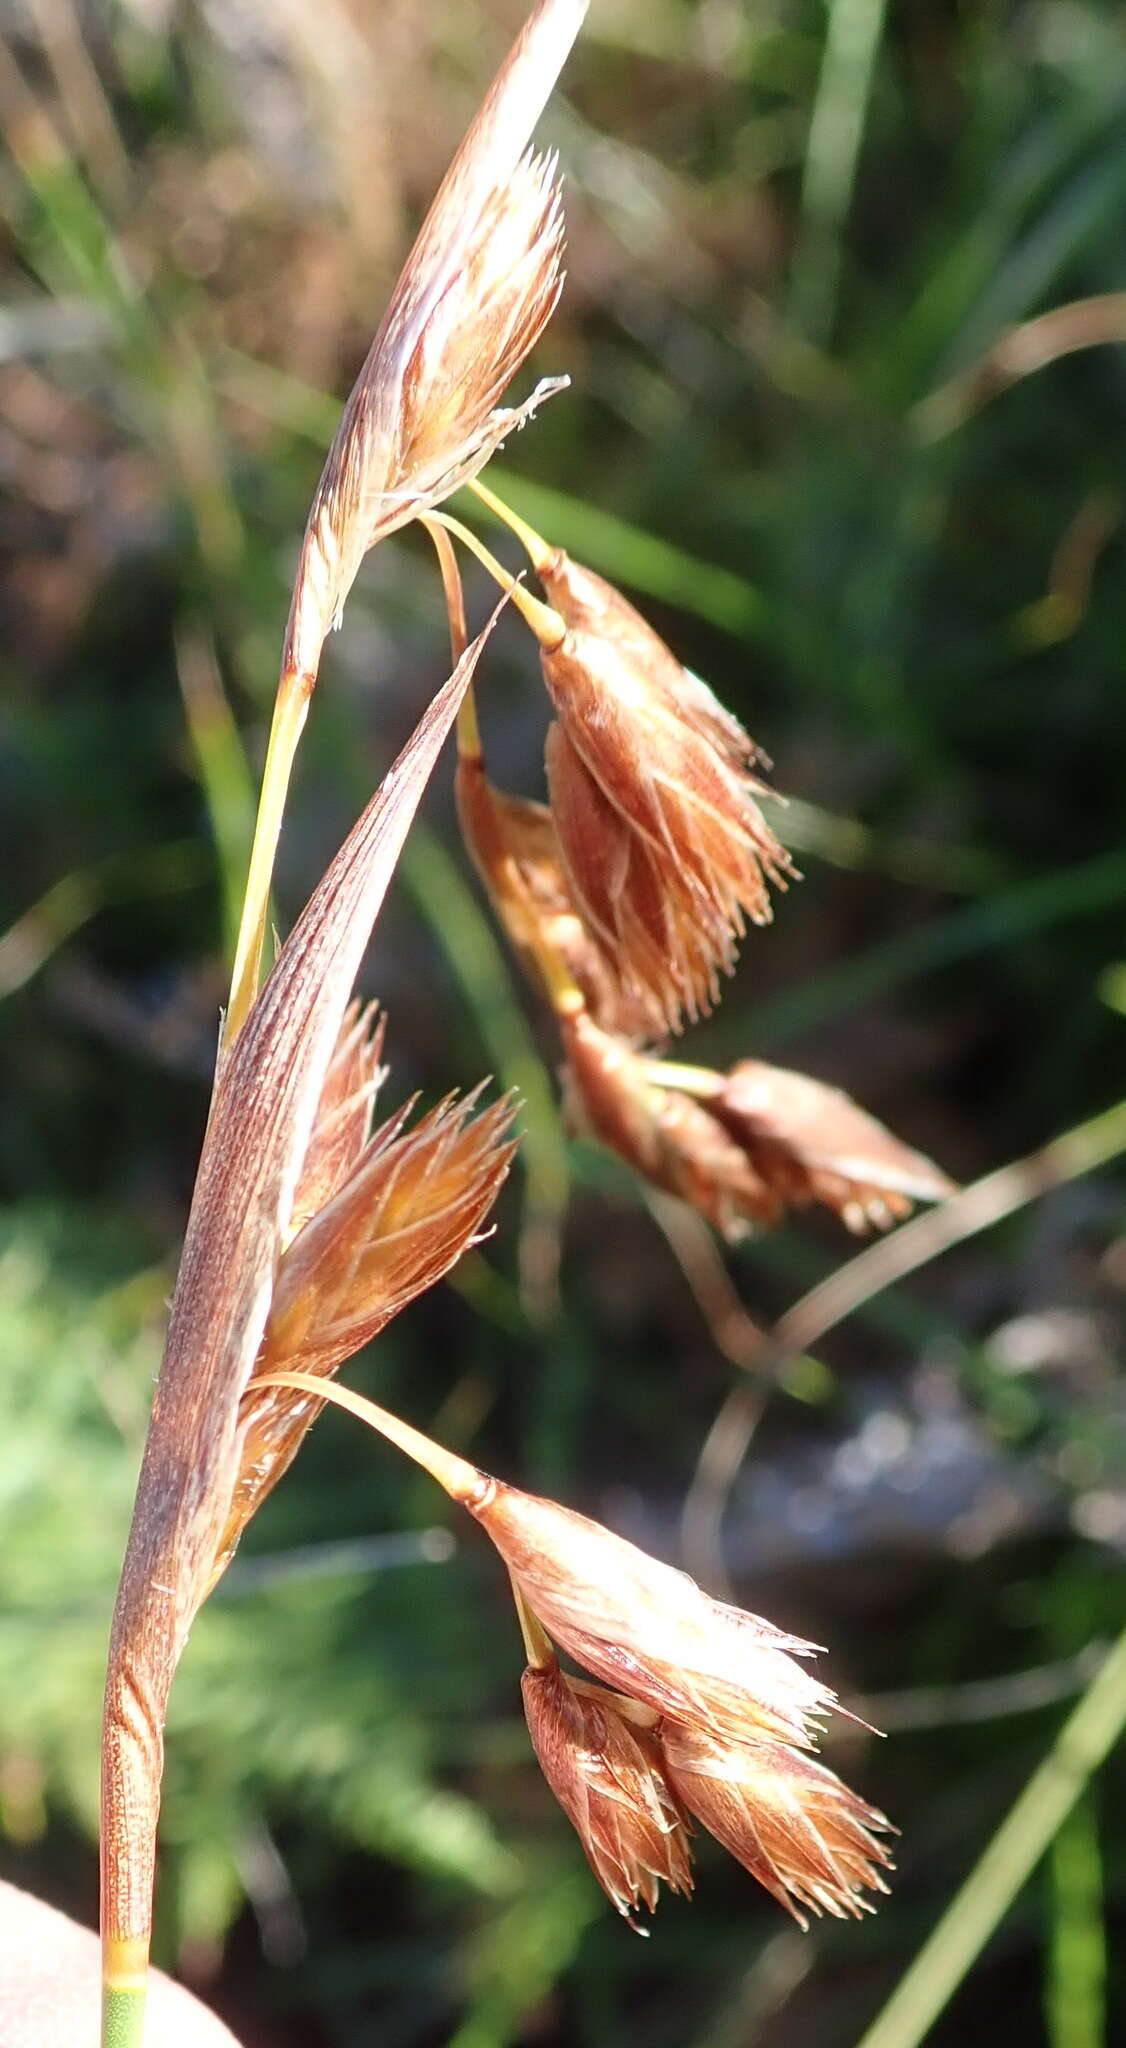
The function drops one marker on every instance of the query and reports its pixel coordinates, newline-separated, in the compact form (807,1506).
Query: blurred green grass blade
(224,772)
(37,934)
(627,554)
(1077,1959)
(836,131)
(1012,914)
(976,1911)
(522,1953)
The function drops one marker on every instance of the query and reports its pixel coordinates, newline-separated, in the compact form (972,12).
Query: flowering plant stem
(456,1476)
(535,546)
(290,708)
(1082,1744)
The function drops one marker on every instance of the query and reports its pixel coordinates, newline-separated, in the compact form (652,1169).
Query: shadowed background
(823,428)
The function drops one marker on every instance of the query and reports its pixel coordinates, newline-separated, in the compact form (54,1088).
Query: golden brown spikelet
(344,1111)
(515,848)
(665,848)
(788,1820)
(812,1143)
(475,294)
(606,1774)
(668,1137)
(648,1630)
(412,1204)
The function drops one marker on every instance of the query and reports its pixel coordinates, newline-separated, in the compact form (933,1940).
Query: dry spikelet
(812,1143)
(263,1112)
(742,1147)
(665,849)
(478,288)
(606,1774)
(343,1119)
(412,1203)
(707,1715)
(788,1820)
(668,1137)
(514,846)
(647,1629)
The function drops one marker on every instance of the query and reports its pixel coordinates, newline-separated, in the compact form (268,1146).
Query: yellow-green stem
(1080,1747)
(538,1646)
(703,1082)
(456,1476)
(124,1992)
(538,550)
(290,708)
(469,745)
(550,630)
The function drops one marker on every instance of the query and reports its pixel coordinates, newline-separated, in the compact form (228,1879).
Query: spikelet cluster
(379,1216)
(702,1713)
(665,848)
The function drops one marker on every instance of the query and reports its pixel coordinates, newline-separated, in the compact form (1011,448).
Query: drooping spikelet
(746,1146)
(606,1773)
(669,1138)
(812,1143)
(788,1820)
(666,850)
(514,844)
(647,1629)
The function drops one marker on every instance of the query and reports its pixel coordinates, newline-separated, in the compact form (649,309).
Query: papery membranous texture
(344,1112)
(514,845)
(607,1777)
(666,851)
(812,1143)
(477,290)
(413,1203)
(791,1822)
(258,1135)
(648,1630)
(669,1138)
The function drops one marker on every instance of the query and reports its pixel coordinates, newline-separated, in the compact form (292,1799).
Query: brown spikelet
(665,848)
(668,1137)
(812,1143)
(788,1820)
(514,845)
(606,1774)
(648,1630)
(344,1111)
(475,294)
(412,1204)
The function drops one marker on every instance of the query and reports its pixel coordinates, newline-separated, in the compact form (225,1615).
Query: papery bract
(790,1821)
(606,1774)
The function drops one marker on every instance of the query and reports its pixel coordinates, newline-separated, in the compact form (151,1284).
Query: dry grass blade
(262,1117)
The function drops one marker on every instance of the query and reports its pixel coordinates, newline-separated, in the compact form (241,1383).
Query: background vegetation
(810,427)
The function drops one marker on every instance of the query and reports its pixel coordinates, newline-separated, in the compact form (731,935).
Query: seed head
(476,292)
(669,1138)
(648,1630)
(514,845)
(812,1143)
(343,1119)
(665,848)
(606,1774)
(789,1821)
(413,1202)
